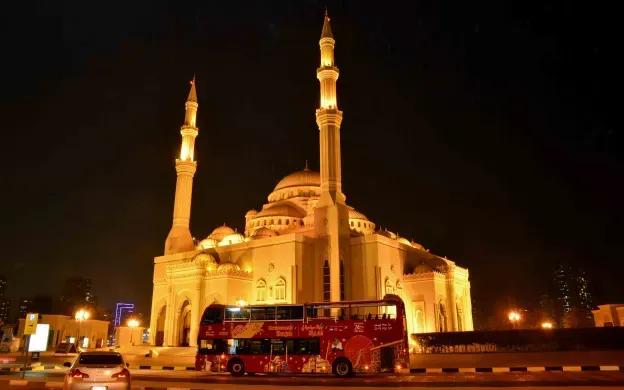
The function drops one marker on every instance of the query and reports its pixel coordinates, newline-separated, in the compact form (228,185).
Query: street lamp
(132,323)
(80,316)
(547,325)
(514,317)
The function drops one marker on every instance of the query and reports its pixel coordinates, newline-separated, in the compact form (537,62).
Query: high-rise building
(5,302)
(573,300)
(306,244)
(3,286)
(5,310)
(76,292)
(25,305)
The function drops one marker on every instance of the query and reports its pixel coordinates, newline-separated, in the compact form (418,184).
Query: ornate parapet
(230,270)
(423,275)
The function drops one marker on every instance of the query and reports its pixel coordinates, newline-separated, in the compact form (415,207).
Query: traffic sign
(30,325)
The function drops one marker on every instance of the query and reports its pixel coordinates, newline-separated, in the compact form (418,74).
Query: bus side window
(237,314)
(289,313)
(277,347)
(263,313)
(304,346)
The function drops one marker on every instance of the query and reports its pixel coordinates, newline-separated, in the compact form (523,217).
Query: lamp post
(80,316)
(514,317)
(132,323)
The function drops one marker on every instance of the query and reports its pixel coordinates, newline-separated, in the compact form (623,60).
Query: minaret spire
(192,96)
(331,216)
(327,32)
(329,117)
(179,238)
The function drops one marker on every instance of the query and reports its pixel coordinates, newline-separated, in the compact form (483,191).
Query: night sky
(485,131)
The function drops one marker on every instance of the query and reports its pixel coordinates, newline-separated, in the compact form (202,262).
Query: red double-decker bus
(341,338)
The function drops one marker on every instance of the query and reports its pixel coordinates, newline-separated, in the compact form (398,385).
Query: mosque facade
(306,244)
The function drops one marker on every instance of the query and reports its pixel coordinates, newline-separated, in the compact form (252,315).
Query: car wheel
(342,368)
(236,367)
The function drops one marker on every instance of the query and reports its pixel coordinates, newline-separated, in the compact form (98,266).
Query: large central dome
(300,179)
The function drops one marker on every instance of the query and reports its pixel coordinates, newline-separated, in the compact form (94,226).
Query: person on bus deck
(383,317)
(370,316)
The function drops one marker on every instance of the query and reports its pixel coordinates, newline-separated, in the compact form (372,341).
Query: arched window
(261,290)
(280,289)
(399,287)
(279,221)
(271,223)
(389,288)
(359,224)
(288,222)
(326,281)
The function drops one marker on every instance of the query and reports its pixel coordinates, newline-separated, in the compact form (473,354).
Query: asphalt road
(142,385)
(188,380)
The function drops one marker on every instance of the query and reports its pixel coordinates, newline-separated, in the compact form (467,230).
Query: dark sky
(484,130)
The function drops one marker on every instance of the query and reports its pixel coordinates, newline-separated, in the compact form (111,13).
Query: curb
(452,370)
(30,368)
(164,368)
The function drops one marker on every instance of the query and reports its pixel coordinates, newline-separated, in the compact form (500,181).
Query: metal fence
(529,340)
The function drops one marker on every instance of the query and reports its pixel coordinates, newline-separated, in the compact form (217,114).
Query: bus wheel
(236,367)
(342,368)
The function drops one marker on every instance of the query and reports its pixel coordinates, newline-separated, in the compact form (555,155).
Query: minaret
(331,213)
(179,238)
(328,119)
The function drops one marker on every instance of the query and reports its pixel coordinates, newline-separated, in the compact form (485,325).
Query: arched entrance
(184,325)
(159,338)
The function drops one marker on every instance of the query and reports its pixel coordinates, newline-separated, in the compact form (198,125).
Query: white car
(97,371)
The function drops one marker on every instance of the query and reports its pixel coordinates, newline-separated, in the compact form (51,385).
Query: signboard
(30,325)
(39,340)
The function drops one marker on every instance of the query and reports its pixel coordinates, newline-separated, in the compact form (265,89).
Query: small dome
(300,179)
(206,260)
(263,232)
(404,241)
(207,243)
(234,238)
(354,214)
(228,267)
(418,246)
(422,268)
(284,209)
(220,232)
(387,233)
(250,213)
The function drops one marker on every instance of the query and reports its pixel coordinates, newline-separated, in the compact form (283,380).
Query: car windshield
(101,359)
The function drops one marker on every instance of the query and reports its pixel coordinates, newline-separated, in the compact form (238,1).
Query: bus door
(278,359)
(387,358)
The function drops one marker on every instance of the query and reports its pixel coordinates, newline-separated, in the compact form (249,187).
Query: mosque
(306,244)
